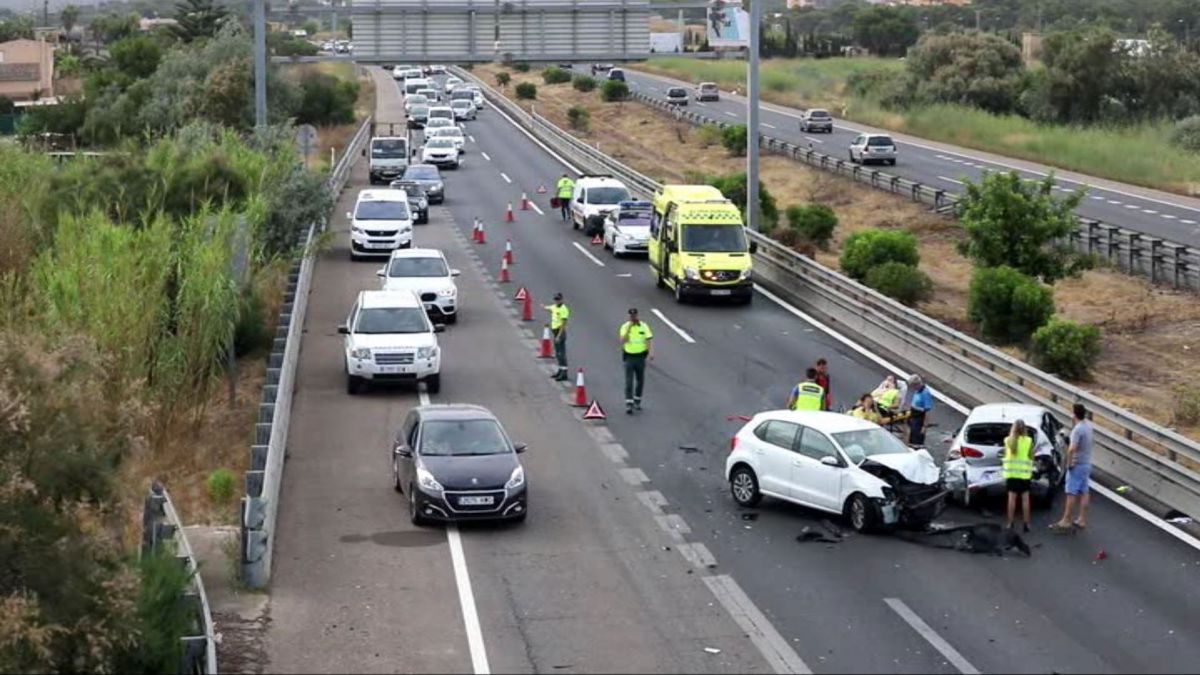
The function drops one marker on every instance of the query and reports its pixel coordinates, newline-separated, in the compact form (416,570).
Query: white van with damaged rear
(380,223)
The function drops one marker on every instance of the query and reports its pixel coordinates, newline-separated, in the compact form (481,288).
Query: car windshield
(460,103)
(633,219)
(865,443)
(391,320)
(714,239)
(420,110)
(389,149)
(440,143)
(463,438)
(462,95)
(418,99)
(414,190)
(441,113)
(708,87)
(818,114)
(427,93)
(676,92)
(879,141)
(435,122)
(607,195)
(448,132)
(422,173)
(382,210)
(418,267)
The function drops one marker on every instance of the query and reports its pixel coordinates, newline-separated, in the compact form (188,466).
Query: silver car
(976,454)
(869,148)
(816,119)
(677,96)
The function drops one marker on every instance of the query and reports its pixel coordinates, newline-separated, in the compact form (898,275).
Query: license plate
(395,369)
(377,245)
(722,291)
(476,501)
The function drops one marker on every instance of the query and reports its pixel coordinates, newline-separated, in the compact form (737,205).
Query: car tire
(452,319)
(396,480)
(414,516)
(743,487)
(862,514)
(852,158)
(354,385)
(433,384)
(749,299)
(892,162)
(679,296)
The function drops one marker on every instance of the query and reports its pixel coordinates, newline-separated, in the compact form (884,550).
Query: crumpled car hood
(917,466)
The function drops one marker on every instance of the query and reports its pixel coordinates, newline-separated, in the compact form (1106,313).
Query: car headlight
(448,292)
(691,273)
(422,204)
(516,480)
(436,188)
(426,352)
(360,353)
(427,481)
(746,273)
(357,230)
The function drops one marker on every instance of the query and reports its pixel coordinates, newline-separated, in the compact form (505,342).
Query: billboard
(728,25)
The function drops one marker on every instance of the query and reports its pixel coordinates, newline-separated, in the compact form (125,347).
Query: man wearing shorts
(1079,471)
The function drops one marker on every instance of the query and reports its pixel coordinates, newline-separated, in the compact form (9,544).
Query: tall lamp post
(752,204)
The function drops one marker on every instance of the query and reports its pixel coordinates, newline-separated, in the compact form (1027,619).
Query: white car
(438,123)
(424,271)
(431,94)
(380,223)
(388,338)
(414,84)
(451,83)
(463,109)
(414,99)
(477,94)
(869,148)
(441,112)
(453,133)
(975,457)
(834,463)
(627,230)
(441,152)
(594,198)
(398,72)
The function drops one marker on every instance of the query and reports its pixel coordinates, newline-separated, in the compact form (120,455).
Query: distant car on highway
(441,152)
(388,157)
(869,148)
(418,115)
(464,109)
(816,119)
(627,230)
(424,271)
(616,74)
(453,133)
(601,68)
(429,178)
(414,84)
(977,450)
(389,338)
(415,99)
(478,96)
(441,112)
(834,463)
(463,93)
(418,201)
(451,83)
(343,47)
(456,462)
(380,223)
(437,123)
(708,91)
(677,96)
(431,94)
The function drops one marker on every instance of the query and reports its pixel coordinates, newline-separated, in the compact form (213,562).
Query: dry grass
(1150,332)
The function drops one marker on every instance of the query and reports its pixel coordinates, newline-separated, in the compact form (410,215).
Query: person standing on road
(636,337)
(823,380)
(1079,470)
(1018,471)
(919,402)
(566,188)
(808,395)
(559,313)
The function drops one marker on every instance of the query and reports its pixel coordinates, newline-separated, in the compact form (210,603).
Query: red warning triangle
(595,412)
(541,189)
(597,241)
(521,294)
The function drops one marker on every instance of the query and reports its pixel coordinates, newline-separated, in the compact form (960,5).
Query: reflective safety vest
(565,187)
(558,315)
(889,398)
(809,396)
(638,334)
(863,414)
(1018,463)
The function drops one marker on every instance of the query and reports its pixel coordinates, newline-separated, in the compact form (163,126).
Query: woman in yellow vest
(1018,471)
(865,410)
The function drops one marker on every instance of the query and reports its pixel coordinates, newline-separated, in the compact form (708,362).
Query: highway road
(595,580)
(944,166)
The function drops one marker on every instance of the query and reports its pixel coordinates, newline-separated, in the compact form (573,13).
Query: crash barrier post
(1147,456)
(162,532)
(260,504)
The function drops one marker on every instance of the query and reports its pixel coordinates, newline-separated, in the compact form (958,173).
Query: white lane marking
(1153,519)
(1169,216)
(776,650)
(810,139)
(671,324)
(950,180)
(910,617)
(769,126)
(1114,202)
(627,275)
(1185,220)
(466,599)
(702,105)
(1150,211)
(1099,199)
(730,114)
(588,254)
(535,207)
(505,177)
(1132,206)
(472,138)
(486,156)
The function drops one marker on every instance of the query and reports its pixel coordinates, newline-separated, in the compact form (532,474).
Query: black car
(418,115)
(418,201)
(429,178)
(598,68)
(455,462)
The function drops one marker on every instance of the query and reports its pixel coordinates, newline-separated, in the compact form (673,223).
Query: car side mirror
(364,152)
(439,328)
(753,247)
(381,273)
(830,460)
(520,447)
(402,451)
(349,215)
(343,330)
(455,273)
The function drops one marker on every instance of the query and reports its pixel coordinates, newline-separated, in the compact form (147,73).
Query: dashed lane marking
(537,208)
(769,126)
(777,651)
(950,180)
(671,324)
(810,139)
(910,617)
(730,114)
(486,156)
(505,177)
(588,253)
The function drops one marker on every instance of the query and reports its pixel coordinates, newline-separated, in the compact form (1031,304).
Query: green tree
(975,69)
(1065,348)
(326,99)
(1082,72)
(868,249)
(733,187)
(885,31)
(69,17)
(614,90)
(312,27)
(198,19)
(904,283)
(812,222)
(111,27)
(136,57)
(1008,306)
(1021,224)
(734,139)
(526,91)
(16,28)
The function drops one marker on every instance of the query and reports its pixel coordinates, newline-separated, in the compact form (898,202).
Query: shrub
(1187,405)
(734,139)
(733,187)
(521,67)
(579,117)
(583,83)
(904,283)
(527,91)
(555,76)
(1066,348)
(1187,134)
(221,486)
(871,248)
(812,222)
(786,236)
(326,99)
(709,134)
(614,90)
(503,79)
(1008,306)
(251,333)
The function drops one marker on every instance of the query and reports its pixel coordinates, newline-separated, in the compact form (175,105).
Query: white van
(412,84)
(387,157)
(380,223)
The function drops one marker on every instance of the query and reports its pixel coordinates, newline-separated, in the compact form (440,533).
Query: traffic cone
(504,278)
(508,254)
(597,240)
(595,412)
(581,399)
(527,313)
(547,344)
(524,202)
(541,189)
(508,215)
(475,231)
(482,238)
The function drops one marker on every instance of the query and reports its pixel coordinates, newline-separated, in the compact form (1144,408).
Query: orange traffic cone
(508,253)
(504,278)
(581,399)
(527,312)
(482,238)
(524,202)
(508,215)
(597,240)
(547,344)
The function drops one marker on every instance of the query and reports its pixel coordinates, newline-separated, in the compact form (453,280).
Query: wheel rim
(858,514)
(743,487)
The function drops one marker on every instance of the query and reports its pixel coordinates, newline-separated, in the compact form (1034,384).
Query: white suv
(596,196)
(424,271)
(380,223)
(390,339)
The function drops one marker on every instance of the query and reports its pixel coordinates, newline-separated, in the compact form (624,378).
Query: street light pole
(752,203)
(260,65)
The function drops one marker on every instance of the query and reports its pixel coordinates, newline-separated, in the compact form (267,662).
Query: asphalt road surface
(587,583)
(944,166)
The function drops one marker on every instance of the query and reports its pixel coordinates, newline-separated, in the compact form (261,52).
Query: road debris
(712,650)
(1123,489)
(689,448)
(809,534)
(750,516)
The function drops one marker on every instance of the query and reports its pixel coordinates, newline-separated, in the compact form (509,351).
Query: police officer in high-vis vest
(1018,471)
(808,395)
(636,337)
(559,314)
(564,190)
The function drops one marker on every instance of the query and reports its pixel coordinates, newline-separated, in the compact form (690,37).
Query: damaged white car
(835,463)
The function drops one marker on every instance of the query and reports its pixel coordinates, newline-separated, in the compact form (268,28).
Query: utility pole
(260,65)
(752,205)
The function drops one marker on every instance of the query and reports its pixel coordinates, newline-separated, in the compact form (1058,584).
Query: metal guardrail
(1162,260)
(260,505)
(161,526)
(1147,456)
